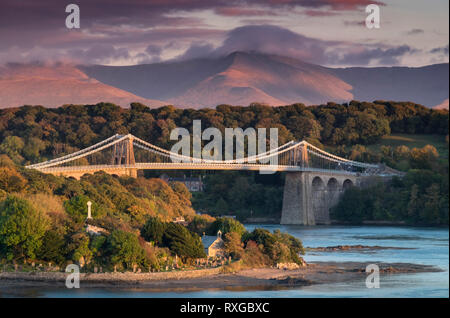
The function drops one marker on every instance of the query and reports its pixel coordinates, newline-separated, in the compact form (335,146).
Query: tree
(12,146)
(11,180)
(233,245)
(78,248)
(423,158)
(182,242)
(226,225)
(124,249)
(153,230)
(21,228)
(76,208)
(200,223)
(53,247)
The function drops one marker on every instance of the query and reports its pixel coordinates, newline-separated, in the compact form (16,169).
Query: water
(428,246)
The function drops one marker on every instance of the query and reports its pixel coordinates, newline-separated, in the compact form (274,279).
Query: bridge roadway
(78,171)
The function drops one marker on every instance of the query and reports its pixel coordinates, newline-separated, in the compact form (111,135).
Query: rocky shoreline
(250,279)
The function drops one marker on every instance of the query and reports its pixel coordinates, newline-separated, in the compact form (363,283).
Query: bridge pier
(309,196)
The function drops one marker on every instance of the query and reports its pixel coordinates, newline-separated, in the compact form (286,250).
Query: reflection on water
(420,245)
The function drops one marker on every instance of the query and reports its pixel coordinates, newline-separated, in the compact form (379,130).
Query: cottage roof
(208,240)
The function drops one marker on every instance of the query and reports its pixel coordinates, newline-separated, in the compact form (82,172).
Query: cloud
(197,50)
(440,50)
(279,41)
(355,23)
(415,31)
(378,56)
(319,13)
(275,40)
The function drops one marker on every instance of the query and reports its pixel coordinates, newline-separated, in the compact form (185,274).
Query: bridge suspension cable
(118,151)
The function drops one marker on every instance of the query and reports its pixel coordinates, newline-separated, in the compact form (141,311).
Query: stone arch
(332,184)
(347,184)
(317,183)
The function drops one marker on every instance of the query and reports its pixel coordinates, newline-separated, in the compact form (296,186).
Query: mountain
(443,105)
(427,85)
(239,78)
(52,86)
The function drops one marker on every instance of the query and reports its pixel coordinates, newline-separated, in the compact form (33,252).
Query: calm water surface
(430,246)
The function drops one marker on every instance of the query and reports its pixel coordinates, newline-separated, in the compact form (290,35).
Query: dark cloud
(380,56)
(440,50)
(154,50)
(141,30)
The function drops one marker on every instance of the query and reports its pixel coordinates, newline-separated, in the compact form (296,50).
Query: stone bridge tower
(308,196)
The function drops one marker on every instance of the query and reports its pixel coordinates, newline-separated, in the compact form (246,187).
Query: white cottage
(213,245)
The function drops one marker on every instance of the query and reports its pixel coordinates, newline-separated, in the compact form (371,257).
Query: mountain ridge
(239,78)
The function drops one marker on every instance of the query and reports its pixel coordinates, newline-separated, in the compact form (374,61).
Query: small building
(193,184)
(213,245)
(180,220)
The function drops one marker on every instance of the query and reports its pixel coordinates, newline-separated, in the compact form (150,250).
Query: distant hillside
(426,85)
(54,86)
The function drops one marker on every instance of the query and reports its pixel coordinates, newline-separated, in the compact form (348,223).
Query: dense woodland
(42,216)
(30,134)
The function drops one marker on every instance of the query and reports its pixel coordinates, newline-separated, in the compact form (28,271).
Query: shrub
(21,228)
(11,180)
(124,249)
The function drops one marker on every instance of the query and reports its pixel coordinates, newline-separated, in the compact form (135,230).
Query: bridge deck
(189,166)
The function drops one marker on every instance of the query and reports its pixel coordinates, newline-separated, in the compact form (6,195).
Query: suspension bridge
(314,182)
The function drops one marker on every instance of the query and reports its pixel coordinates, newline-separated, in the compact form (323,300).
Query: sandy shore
(263,278)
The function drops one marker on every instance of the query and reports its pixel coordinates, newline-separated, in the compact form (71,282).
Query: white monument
(89,203)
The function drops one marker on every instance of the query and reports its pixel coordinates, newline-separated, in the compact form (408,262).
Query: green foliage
(78,248)
(153,230)
(233,245)
(243,194)
(21,228)
(124,249)
(226,225)
(279,247)
(53,247)
(76,208)
(32,133)
(11,180)
(420,198)
(12,146)
(200,224)
(182,242)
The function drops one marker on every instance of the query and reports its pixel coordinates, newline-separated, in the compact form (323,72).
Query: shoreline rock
(249,279)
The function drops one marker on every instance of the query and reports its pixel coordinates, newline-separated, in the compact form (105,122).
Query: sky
(127,32)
